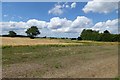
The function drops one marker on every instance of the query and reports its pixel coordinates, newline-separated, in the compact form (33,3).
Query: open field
(56,58)
(8,41)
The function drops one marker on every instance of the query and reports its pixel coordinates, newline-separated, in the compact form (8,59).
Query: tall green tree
(32,32)
(115,37)
(106,36)
(96,36)
(12,34)
(90,35)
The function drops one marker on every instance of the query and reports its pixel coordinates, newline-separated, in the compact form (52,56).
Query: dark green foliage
(116,37)
(106,36)
(73,38)
(79,38)
(90,35)
(12,34)
(32,32)
(106,32)
(96,36)
(45,37)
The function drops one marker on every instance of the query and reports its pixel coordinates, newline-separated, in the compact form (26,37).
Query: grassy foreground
(79,59)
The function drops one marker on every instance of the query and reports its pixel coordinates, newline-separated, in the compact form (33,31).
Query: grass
(117,78)
(7,41)
(66,58)
(19,54)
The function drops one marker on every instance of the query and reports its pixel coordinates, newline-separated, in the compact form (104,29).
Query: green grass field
(59,61)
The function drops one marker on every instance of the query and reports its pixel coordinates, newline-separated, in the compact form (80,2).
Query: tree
(90,35)
(96,36)
(79,38)
(12,34)
(106,32)
(106,36)
(32,32)
(116,37)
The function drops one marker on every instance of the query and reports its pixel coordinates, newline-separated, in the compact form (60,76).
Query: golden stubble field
(8,41)
(26,41)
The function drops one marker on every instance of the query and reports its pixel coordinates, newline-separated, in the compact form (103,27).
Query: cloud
(73,5)
(67,26)
(67,6)
(5,15)
(55,24)
(60,8)
(38,23)
(100,6)
(110,25)
(59,25)
(7,26)
(62,26)
(21,27)
(57,10)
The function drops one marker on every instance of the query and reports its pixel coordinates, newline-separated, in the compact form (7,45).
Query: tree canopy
(32,32)
(96,36)
(90,35)
(12,34)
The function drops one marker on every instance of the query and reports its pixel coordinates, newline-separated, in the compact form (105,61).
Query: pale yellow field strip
(8,41)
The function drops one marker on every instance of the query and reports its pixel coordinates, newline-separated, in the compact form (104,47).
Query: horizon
(59,19)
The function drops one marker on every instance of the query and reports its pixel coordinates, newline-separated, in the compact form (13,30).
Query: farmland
(58,58)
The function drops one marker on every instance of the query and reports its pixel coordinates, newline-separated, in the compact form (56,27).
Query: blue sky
(45,13)
(39,10)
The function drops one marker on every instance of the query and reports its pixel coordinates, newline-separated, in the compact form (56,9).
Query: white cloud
(67,6)
(68,26)
(110,25)
(57,10)
(73,5)
(5,15)
(101,6)
(59,26)
(60,8)
(38,23)
(7,26)
(56,24)
(20,27)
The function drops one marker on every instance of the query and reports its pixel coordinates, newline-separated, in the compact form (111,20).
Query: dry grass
(8,41)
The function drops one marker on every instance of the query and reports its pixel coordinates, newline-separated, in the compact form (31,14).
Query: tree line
(89,34)
(86,34)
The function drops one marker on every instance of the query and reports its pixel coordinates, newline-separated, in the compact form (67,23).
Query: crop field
(58,58)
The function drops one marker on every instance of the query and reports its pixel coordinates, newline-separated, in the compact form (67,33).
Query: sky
(59,19)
